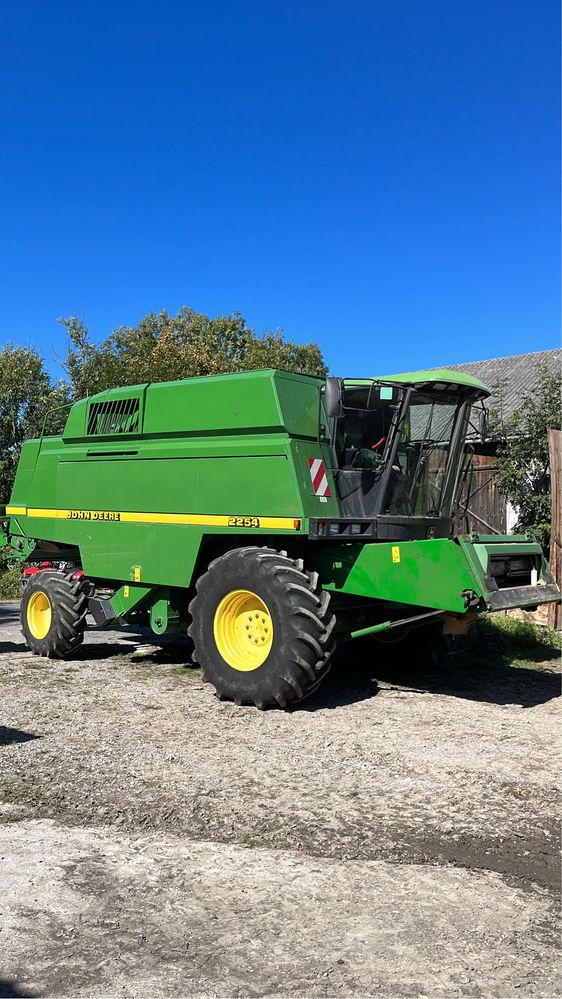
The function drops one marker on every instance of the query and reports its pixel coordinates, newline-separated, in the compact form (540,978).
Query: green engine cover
(141,475)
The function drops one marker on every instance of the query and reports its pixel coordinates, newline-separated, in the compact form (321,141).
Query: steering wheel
(369,459)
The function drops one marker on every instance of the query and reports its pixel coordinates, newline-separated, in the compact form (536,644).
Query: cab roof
(440,376)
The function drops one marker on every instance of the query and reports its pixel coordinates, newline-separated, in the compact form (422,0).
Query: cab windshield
(419,477)
(397,450)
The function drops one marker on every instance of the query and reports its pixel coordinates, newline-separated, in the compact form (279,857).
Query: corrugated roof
(517,375)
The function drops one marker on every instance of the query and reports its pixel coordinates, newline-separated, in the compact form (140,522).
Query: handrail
(53,409)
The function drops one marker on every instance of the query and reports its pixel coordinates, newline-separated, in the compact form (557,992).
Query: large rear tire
(261,628)
(53,614)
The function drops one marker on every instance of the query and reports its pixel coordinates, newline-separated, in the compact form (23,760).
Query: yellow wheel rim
(39,614)
(243,630)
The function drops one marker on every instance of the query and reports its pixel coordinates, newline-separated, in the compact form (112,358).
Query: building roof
(513,377)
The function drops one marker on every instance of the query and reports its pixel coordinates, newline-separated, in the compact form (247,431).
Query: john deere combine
(269,514)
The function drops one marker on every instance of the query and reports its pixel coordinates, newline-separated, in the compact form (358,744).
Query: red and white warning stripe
(319,477)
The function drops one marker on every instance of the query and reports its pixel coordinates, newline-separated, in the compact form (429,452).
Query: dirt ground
(396,835)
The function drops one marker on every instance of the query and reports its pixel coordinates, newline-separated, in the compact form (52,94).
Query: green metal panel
(431,573)
(75,426)
(313,505)
(210,447)
(435,573)
(253,485)
(263,401)
(252,480)
(299,402)
(235,404)
(25,473)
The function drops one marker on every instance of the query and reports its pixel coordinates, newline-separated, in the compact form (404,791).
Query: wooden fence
(487,506)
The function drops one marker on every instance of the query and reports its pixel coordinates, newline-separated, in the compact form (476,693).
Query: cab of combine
(398,452)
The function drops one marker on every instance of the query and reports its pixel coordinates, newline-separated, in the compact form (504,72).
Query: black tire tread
(308,621)
(69,605)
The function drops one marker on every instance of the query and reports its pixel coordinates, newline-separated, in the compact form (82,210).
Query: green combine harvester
(267,514)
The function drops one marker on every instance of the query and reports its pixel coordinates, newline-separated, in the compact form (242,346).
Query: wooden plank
(555,454)
(487,506)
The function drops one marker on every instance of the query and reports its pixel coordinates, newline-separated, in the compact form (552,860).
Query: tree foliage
(163,347)
(523,458)
(26,397)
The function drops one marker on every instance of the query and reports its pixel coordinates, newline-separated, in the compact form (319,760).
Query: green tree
(26,396)
(163,347)
(524,467)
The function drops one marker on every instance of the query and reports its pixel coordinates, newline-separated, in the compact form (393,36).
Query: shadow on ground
(9,612)
(6,647)
(10,615)
(492,678)
(8,736)
(359,668)
(9,990)
(144,649)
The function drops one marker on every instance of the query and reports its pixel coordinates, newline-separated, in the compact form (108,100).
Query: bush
(10,577)
(523,455)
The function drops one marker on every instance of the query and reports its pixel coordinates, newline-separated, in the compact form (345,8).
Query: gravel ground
(395,835)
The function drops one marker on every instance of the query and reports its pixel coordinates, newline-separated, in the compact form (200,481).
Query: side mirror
(333,397)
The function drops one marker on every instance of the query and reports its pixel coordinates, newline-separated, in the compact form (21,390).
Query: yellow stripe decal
(189,519)
(15,510)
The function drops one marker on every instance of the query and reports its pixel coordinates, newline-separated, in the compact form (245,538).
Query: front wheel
(261,628)
(53,614)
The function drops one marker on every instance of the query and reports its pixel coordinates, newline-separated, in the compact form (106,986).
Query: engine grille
(117,416)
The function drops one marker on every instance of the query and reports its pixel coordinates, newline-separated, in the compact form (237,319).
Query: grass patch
(506,638)
(250,842)
(185,670)
(279,842)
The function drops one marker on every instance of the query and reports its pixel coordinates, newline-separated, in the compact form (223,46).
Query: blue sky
(381,177)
